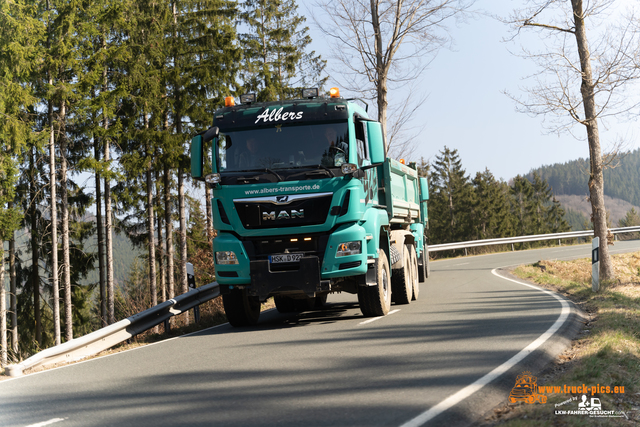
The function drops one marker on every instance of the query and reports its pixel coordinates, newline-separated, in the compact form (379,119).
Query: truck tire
(320,301)
(424,269)
(414,275)
(284,304)
(376,300)
(401,281)
(394,256)
(240,308)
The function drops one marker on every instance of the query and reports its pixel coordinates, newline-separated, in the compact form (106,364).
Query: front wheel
(240,308)
(376,300)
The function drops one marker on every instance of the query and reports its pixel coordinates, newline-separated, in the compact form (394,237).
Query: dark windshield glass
(284,147)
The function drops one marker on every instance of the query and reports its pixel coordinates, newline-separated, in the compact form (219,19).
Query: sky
(467,110)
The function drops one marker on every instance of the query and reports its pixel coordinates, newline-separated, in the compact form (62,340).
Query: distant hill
(620,182)
(579,205)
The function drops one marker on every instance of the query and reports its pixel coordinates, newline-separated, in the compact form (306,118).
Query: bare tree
(382,41)
(582,84)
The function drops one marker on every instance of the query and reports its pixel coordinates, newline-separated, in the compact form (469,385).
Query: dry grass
(606,351)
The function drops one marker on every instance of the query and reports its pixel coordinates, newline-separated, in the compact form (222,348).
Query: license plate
(275,259)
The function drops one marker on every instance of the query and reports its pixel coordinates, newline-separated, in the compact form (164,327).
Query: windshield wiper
(327,169)
(272,172)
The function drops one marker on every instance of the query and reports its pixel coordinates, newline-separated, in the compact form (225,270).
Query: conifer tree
(451,199)
(541,202)
(492,209)
(523,207)
(276,63)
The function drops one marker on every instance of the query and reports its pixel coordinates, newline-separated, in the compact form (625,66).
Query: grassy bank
(606,352)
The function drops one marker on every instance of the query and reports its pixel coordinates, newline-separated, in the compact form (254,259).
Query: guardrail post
(512,248)
(595,264)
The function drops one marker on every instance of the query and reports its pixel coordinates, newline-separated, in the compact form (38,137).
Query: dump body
(304,199)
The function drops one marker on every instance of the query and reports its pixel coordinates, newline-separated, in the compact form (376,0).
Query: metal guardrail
(522,239)
(116,333)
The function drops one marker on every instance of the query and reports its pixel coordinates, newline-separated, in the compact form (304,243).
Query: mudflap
(306,278)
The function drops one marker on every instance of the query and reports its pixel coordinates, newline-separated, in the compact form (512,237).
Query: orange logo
(526,389)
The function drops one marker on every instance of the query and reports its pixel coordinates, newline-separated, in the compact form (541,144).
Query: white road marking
(464,263)
(46,423)
(456,398)
(373,319)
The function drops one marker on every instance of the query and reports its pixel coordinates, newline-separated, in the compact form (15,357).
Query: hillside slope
(620,182)
(617,208)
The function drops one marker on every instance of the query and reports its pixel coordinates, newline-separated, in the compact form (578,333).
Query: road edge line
(469,390)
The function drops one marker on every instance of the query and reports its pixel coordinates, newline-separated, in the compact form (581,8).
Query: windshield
(284,147)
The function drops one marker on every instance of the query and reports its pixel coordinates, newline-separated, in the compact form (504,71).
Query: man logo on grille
(282,199)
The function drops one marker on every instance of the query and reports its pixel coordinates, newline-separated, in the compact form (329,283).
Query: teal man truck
(306,203)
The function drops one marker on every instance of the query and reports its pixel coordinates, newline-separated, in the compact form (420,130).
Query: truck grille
(283,211)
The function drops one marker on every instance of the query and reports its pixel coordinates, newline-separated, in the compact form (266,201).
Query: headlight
(226,258)
(349,248)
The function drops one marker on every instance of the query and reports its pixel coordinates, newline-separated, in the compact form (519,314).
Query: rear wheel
(320,301)
(240,308)
(284,304)
(424,269)
(414,270)
(401,281)
(376,300)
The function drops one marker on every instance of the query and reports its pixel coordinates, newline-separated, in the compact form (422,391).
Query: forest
(621,177)
(98,103)
(462,208)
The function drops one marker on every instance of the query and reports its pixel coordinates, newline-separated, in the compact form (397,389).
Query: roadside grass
(606,352)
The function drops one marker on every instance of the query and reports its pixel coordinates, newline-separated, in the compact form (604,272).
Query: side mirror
(376,142)
(211,133)
(424,189)
(197,157)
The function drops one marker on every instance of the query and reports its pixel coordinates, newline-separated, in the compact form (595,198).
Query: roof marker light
(229,101)
(334,92)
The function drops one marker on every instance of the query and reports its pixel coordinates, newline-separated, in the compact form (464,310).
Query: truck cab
(299,203)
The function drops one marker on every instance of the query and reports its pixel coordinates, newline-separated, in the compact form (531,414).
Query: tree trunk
(14,291)
(596,179)
(100,228)
(54,227)
(66,265)
(151,229)
(183,237)
(169,231)
(35,247)
(3,312)
(161,251)
(381,88)
(109,239)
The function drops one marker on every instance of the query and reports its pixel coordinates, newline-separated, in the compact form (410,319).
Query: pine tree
(276,64)
(492,211)
(523,206)
(18,35)
(451,200)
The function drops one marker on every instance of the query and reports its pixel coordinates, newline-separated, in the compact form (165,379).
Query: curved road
(428,362)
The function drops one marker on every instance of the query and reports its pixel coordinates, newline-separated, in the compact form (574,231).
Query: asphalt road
(445,359)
